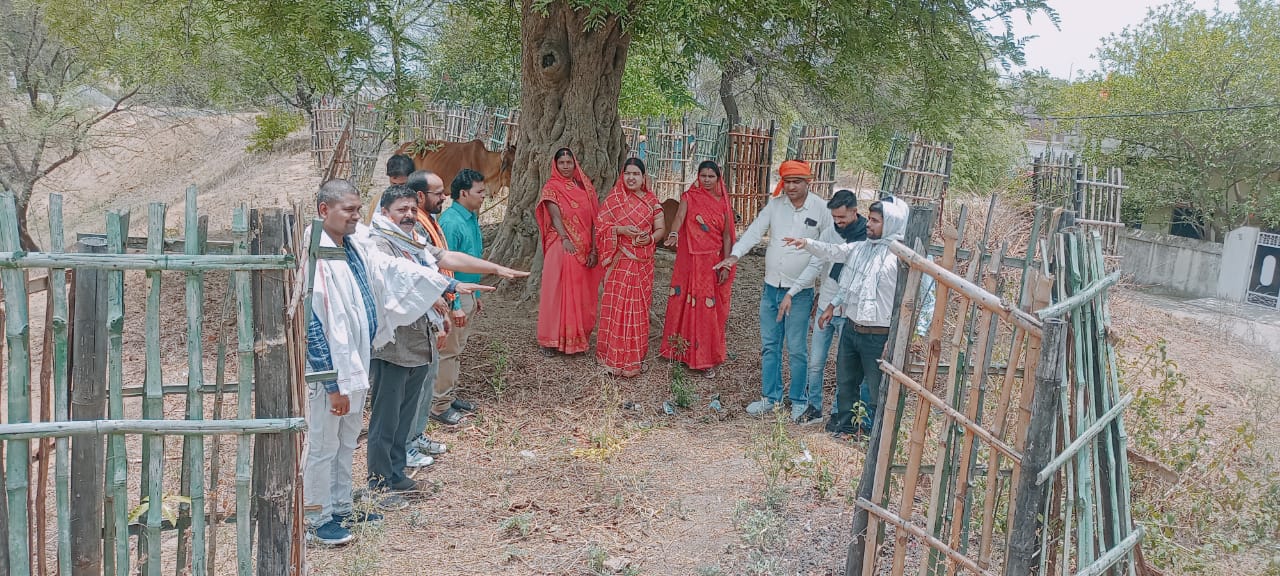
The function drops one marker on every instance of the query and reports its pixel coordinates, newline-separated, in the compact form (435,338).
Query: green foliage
(272,127)
(477,58)
(1224,497)
(988,155)
(1221,163)
(683,393)
(501,354)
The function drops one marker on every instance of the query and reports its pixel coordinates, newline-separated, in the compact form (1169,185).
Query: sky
(1067,51)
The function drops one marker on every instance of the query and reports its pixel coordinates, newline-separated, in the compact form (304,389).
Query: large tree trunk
(570,80)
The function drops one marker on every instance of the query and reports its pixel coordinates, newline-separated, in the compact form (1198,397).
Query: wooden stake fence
(95,529)
(994,431)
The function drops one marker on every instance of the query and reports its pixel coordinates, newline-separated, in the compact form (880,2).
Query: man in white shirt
(791,212)
(865,298)
(848,226)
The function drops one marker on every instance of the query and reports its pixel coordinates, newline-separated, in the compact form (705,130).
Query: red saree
(568,296)
(698,307)
(623,340)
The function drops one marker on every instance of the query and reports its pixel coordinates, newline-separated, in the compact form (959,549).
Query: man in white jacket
(865,297)
(357,304)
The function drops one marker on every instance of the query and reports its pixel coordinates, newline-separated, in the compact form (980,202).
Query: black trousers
(394,408)
(857,376)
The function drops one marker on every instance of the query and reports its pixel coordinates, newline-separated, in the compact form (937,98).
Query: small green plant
(501,363)
(271,128)
(519,526)
(762,528)
(824,479)
(596,557)
(682,390)
(776,451)
(365,555)
(712,570)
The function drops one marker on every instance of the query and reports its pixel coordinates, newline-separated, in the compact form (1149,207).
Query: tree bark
(728,99)
(570,80)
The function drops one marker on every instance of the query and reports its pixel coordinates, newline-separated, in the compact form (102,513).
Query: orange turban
(792,169)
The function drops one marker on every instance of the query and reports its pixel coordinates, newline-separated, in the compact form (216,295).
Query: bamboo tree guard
(75,548)
(817,146)
(996,423)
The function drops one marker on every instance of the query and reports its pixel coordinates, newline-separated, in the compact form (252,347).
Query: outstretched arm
(463,262)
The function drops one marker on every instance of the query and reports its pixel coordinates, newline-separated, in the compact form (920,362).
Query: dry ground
(522,491)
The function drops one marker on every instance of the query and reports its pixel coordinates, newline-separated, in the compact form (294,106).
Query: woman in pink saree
(698,302)
(566,215)
(630,221)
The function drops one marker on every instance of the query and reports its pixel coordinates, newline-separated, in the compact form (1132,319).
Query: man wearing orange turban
(791,212)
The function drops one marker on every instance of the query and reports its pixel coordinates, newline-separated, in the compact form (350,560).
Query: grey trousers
(329,450)
(424,402)
(394,409)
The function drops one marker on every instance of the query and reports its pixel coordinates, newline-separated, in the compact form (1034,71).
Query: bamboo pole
(985,299)
(1120,439)
(153,403)
(61,409)
(195,379)
(17,345)
(11,260)
(116,533)
(244,354)
(215,452)
(920,427)
(39,504)
(1081,298)
(1024,524)
(1109,559)
(29,430)
(938,484)
(1082,412)
(967,449)
(88,403)
(996,284)
(889,409)
(932,542)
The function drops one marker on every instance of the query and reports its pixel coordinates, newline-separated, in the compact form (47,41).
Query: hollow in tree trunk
(570,81)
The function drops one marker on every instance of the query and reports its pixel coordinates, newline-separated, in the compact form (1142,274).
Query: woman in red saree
(566,215)
(698,302)
(630,220)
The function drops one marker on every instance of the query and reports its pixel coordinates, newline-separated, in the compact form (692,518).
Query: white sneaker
(415,459)
(428,446)
(760,407)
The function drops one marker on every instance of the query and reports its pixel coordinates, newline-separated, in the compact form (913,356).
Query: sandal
(449,417)
(710,372)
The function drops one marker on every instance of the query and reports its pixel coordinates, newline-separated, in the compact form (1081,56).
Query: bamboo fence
(817,146)
(972,439)
(918,171)
(100,527)
(747,164)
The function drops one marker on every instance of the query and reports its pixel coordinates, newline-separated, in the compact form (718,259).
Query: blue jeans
(795,329)
(857,376)
(819,349)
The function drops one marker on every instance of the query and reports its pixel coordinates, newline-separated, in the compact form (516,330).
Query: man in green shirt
(461,224)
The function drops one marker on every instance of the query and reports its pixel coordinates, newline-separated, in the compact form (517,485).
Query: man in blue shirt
(461,224)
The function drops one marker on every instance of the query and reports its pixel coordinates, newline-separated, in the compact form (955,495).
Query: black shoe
(357,517)
(810,415)
(831,424)
(463,405)
(449,417)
